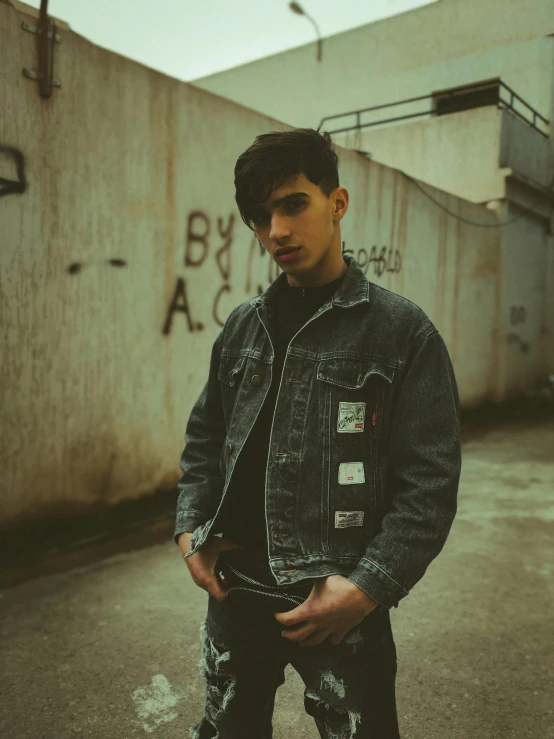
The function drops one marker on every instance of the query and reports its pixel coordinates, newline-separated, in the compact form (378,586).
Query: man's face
(298,214)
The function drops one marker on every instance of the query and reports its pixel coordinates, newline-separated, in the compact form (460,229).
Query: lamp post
(296,8)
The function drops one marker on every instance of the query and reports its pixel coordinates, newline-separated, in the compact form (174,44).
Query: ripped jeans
(349,687)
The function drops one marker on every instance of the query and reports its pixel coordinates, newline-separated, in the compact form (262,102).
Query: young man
(324,448)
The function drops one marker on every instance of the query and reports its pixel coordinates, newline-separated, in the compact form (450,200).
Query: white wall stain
(154,703)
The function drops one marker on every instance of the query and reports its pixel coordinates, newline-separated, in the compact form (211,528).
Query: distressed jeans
(349,687)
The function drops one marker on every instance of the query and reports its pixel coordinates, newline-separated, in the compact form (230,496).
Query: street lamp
(296,8)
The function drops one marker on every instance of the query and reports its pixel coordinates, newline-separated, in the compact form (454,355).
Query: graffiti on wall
(380,260)
(197,248)
(12,162)
(200,240)
(517,314)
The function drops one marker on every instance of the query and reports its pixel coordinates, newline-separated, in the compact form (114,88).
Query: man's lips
(279,253)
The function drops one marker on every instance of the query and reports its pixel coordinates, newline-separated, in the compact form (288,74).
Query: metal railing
(439,98)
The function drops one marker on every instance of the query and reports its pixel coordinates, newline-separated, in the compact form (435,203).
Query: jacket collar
(353,289)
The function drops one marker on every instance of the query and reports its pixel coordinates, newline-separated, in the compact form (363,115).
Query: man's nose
(278,230)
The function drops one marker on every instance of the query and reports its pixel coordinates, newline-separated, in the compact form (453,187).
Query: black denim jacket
(364,458)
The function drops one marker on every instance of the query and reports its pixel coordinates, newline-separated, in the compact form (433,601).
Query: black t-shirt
(243,513)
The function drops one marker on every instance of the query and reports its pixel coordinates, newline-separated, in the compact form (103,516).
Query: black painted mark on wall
(180,304)
(518,314)
(514,338)
(76,267)
(198,230)
(383,259)
(12,162)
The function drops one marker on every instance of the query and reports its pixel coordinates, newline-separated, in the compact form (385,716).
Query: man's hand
(333,608)
(202,563)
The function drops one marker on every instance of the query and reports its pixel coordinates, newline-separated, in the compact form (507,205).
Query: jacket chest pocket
(230,374)
(353,394)
(230,369)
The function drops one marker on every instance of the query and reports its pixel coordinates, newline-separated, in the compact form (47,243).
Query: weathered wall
(464,154)
(414,247)
(437,46)
(527,323)
(456,153)
(434,47)
(125,254)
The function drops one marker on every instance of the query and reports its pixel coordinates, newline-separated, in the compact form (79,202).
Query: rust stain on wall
(170,248)
(487,266)
(440,292)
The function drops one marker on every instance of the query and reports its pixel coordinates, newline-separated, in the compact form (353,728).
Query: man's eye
(291,207)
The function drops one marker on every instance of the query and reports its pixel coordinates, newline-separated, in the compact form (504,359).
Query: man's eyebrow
(290,196)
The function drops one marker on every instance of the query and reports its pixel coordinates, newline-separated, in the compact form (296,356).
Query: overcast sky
(188,39)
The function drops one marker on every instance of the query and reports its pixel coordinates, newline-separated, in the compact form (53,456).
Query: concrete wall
(457,153)
(466,153)
(527,303)
(125,254)
(524,150)
(448,267)
(437,46)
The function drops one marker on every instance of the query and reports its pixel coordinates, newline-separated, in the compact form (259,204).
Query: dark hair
(278,156)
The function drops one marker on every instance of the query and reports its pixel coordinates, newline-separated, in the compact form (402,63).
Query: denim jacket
(364,458)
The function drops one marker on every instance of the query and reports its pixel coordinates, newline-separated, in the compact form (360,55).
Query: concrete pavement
(109,650)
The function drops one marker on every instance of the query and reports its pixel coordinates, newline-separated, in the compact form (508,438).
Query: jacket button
(229,447)
(256,379)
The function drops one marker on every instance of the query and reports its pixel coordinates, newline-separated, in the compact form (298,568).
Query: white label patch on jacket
(351,418)
(351,473)
(348,518)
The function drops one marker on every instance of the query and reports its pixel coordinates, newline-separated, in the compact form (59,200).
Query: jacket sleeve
(424,472)
(201,485)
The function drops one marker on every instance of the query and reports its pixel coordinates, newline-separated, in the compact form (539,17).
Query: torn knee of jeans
(330,683)
(216,671)
(339,721)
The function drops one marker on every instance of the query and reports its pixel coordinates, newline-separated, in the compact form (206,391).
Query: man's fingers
(217,593)
(206,579)
(299,634)
(295,616)
(215,589)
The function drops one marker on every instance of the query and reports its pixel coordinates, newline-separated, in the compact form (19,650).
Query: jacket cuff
(375,582)
(186,521)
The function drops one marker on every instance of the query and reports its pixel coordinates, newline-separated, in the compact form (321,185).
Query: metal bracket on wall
(36,29)
(47,37)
